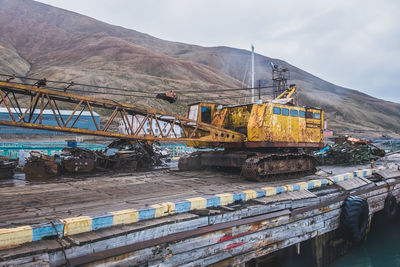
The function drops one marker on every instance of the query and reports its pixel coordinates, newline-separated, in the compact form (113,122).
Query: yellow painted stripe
(303,185)
(317,183)
(269,191)
(289,187)
(225,199)
(125,216)
(197,203)
(161,209)
(15,236)
(171,207)
(340,177)
(250,194)
(360,173)
(77,225)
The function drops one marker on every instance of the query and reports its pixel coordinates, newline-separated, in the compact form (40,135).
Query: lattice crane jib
(28,112)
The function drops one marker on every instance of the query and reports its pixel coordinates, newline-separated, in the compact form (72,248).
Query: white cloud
(351,43)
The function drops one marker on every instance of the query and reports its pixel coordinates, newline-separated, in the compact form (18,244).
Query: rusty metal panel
(265,125)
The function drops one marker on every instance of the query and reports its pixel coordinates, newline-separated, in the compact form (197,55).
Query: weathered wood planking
(160,242)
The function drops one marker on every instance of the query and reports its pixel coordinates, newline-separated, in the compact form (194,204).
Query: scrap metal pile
(348,151)
(7,167)
(119,156)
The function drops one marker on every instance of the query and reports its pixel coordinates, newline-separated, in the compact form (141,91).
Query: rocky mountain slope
(43,41)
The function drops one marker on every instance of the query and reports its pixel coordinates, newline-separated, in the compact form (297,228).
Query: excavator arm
(26,104)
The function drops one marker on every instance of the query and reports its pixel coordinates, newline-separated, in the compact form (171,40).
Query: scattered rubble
(348,151)
(170,96)
(119,156)
(7,167)
(40,166)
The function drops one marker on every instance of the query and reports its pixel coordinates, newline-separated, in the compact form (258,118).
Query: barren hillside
(43,41)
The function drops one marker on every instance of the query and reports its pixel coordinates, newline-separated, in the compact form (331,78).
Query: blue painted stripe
(296,187)
(261,193)
(324,181)
(146,214)
(280,189)
(39,231)
(239,197)
(212,201)
(345,177)
(182,206)
(101,221)
(365,173)
(310,185)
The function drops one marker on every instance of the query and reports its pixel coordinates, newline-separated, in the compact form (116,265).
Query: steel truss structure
(30,115)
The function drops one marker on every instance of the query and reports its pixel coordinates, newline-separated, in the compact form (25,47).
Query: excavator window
(309,115)
(293,113)
(206,114)
(285,112)
(302,114)
(277,110)
(317,116)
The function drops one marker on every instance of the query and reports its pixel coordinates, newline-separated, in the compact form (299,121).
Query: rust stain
(325,209)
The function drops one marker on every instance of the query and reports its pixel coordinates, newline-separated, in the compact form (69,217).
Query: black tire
(390,207)
(354,219)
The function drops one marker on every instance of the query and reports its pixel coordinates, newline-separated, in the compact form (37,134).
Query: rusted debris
(79,160)
(120,156)
(127,155)
(7,167)
(349,151)
(40,166)
(170,96)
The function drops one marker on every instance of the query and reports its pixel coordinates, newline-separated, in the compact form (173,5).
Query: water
(381,249)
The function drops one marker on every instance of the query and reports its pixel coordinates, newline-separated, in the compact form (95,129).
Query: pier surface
(177,218)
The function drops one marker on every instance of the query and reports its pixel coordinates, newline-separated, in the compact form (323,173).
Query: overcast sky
(352,43)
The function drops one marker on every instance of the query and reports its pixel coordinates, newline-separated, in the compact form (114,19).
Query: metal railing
(11,149)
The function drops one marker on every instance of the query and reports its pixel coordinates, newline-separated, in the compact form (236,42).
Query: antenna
(252,73)
(280,76)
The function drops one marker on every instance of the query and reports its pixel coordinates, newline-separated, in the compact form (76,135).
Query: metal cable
(135,91)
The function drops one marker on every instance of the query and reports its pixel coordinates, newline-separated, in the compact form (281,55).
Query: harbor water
(381,249)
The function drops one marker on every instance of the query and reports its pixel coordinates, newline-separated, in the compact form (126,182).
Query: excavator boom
(28,113)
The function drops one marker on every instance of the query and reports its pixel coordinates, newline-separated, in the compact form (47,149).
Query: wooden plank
(387,174)
(352,183)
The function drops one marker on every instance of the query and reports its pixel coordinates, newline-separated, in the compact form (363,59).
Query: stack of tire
(354,218)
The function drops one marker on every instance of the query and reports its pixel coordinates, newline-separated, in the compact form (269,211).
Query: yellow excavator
(278,135)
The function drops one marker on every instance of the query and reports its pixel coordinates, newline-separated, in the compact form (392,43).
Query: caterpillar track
(254,166)
(273,166)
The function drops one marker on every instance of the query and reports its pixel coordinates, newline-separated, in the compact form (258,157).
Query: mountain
(39,40)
